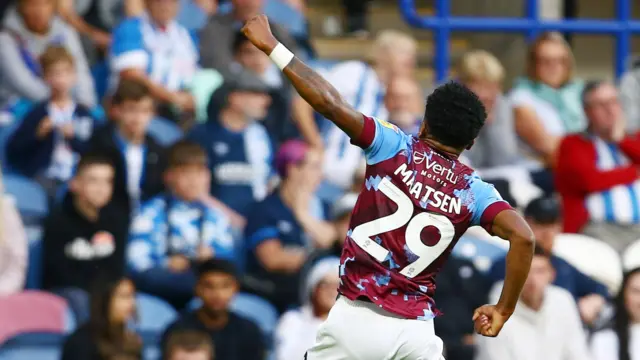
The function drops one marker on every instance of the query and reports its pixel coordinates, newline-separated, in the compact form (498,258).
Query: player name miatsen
(426,194)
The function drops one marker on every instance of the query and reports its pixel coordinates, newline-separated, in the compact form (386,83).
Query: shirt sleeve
(381,140)
(260,227)
(128,49)
(487,203)
(142,250)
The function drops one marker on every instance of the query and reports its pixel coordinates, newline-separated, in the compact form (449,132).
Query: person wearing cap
(597,172)
(545,219)
(296,331)
(233,337)
(282,230)
(239,148)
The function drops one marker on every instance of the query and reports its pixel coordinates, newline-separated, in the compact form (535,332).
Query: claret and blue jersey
(413,208)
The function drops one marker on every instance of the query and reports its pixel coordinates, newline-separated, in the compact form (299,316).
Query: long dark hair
(112,340)
(622,318)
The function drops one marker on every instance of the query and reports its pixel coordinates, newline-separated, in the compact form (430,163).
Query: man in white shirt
(545,325)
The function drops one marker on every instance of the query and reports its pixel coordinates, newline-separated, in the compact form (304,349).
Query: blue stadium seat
(31,199)
(30,346)
(288,17)
(482,251)
(164,131)
(34,270)
(154,315)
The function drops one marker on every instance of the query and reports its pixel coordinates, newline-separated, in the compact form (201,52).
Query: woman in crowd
(297,329)
(623,341)
(547,104)
(106,335)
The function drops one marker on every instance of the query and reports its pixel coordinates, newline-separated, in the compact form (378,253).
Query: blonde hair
(480,65)
(532,54)
(388,40)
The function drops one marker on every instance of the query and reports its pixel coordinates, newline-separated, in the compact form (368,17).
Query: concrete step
(357,49)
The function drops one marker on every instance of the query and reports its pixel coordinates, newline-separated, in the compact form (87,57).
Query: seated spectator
(545,324)
(297,329)
(546,104)
(13,246)
(400,101)
(138,159)
(544,217)
(28,30)
(249,57)
(597,173)
(282,228)
(217,37)
(106,336)
(49,140)
(189,345)
(176,229)
(622,341)
(84,237)
(155,50)
(340,219)
(461,290)
(239,148)
(235,338)
(362,85)
(497,144)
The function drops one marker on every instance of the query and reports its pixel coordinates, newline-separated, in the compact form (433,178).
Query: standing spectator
(497,144)
(545,324)
(622,342)
(297,328)
(249,57)
(106,336)
(282,228)
(597,173)
(217,37)
(138,159)
(547,104)
(189,345)
(461,290)
(28,30)
(235,338)
(84,237)
(49,140)
(176,229)
(239,149)
(13,246)
(155,50)
(545,219)
(363,86)
(400,101)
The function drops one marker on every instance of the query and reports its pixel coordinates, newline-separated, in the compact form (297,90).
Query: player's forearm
(518,264)
(323,97)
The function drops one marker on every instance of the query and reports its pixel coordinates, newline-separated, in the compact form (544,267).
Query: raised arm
(312,87)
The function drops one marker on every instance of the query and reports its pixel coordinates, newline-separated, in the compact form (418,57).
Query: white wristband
(281,56)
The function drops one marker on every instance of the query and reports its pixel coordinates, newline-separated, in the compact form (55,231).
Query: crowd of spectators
(255,193)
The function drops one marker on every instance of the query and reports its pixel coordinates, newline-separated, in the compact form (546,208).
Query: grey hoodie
(17,80)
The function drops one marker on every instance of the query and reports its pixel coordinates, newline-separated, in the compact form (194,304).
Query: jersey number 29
(403,216)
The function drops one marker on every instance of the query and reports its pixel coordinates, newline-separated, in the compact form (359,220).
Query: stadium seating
(480,247)
(34,269)
(591,256)
(31,199)
(33,346)
(164,131)
(154,315)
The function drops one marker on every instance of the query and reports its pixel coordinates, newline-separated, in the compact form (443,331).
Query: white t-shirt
(296,333)
(604,344)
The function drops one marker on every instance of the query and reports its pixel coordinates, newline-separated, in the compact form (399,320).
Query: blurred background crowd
(166,193)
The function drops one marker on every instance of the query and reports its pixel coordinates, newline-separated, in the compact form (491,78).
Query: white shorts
(358,330)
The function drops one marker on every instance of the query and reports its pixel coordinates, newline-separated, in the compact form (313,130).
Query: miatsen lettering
(426,193)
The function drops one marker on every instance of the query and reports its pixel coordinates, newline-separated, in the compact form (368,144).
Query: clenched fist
(258,31)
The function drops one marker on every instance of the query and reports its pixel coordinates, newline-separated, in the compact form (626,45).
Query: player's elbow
(523,239)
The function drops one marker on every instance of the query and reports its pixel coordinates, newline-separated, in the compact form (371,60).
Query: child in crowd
(47,143)
(189,345)
(84,237)
(175,229)
(138,159)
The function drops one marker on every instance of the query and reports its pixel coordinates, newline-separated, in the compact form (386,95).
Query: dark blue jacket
(567,277)
(29,155)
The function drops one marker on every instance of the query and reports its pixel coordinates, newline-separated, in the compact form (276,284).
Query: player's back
(416,203)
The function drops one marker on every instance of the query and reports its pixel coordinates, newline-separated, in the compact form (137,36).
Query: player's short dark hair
(454,115)
(188,340)
(239,39)
(130,90)
(93,158)
(186,152)
(219,266)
